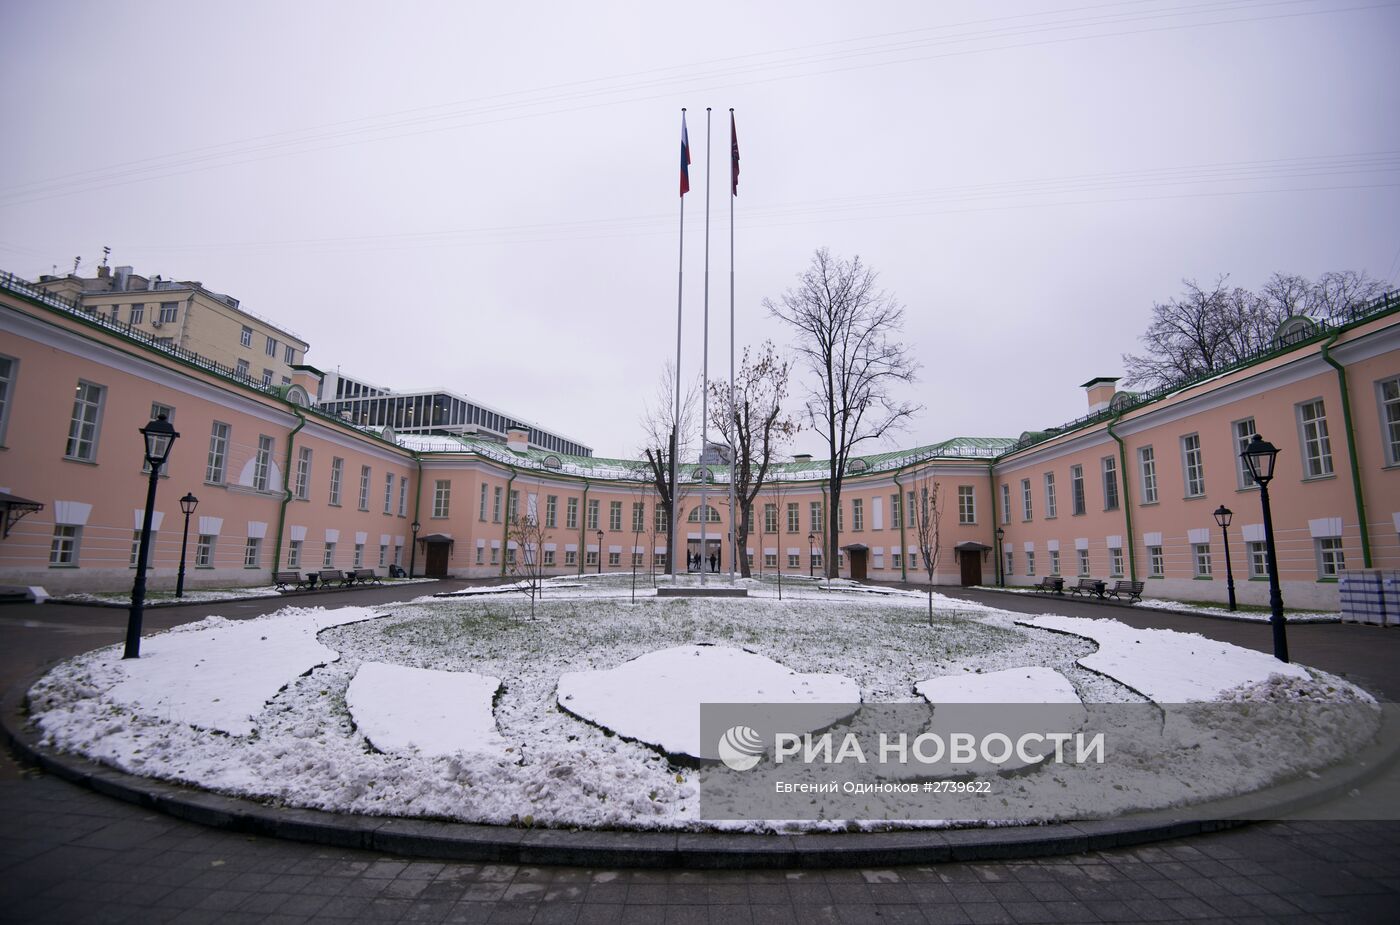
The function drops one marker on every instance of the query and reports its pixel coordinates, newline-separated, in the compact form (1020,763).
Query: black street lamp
(1259,457)
(187,504)
(413,553)
(811,555)
(600,552)
(1001,575)
(159,437)
(1222,517)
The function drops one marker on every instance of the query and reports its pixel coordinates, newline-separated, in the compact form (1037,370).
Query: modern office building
(1128,490)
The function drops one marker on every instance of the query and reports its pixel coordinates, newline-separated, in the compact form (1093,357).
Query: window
(896,561)
(1005,503)
(592,517)
(398,554)
(252,552)
(967,505)
(711,515)
(267,377)
(87,415)
(63,550)
(1157,566)
(1054,562)
(482,514)
(1115,561)
(770,518)
(388,492)
(497,494)
(548,557)
(1193,469)
(271,347)
(1243,432)
(817,556)
(614,559)
(590,557)
(513,506)
(481,555)
(241,369)
(383,554)
(1083,562)
(659,518)
(364,488)
(794,560)
(1025,499)
(639,516)
(1390,420)
(1030,562)
(896,512)
(246,337)
(337,469)
(1010,566)
(328,559)
(1258,559)
(770,560)
(204,550)
(1076,488)
(1317,446)
(1147,462)
(442,497)
(570,557)
(169,311)
(138,312)
(403,496)
(794,519)
(551,511)
(814,511)
(857,514)
(294,554)
(290,355)
(7,377)
(303,480)
(216,469)
(495,555)
(262,463)
(615,516)
(1110,483)
(1201,553)
(1330,560)
(1051,507)
(571,515)
(840,518)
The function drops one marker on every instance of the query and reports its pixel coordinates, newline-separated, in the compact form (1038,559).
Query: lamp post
(811,555)
(1001,576)
(600,552)
(413,553)
(1259,457)
(187,504)
(159,436)
(1222,517)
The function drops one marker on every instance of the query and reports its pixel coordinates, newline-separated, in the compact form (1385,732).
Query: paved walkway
(70,855)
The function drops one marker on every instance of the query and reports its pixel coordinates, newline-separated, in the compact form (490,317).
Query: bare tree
(1336,295)
(844,325)
(668,441)
(926,515)
(1187,335)
(527,533)
(751,422)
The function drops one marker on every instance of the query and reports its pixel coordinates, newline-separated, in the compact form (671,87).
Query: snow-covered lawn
(1205,610)
(266,708)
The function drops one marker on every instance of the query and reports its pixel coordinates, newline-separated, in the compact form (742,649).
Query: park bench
(363,576)
(1050,585)
(1133,589)
(327,576)
(1089,586)
(281,580)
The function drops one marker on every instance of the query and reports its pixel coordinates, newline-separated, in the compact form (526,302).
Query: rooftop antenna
(76,261)
(106,252)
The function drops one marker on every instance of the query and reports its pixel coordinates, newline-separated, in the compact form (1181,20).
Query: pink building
(1127,491)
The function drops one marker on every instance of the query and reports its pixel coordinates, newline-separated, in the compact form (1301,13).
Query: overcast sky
(482,197)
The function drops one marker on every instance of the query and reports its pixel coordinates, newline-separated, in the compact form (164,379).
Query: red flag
(733,157)
(685,157)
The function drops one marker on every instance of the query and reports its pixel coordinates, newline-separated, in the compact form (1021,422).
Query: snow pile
(403,709)
(1167,666)
(656,698)
(1029,684)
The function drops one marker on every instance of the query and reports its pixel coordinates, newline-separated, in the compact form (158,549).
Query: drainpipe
(996,522)
(1351,447)
(1127,496)
(417,507)
(286,490)
(582,520)
(903,546)
(505,527)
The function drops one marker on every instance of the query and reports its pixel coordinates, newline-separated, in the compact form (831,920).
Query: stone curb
(426,838)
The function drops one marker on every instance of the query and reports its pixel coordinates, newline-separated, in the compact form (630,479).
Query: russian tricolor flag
(685,157)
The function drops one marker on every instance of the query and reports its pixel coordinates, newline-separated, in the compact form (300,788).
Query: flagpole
(733,448)
(680,292)
(705,375)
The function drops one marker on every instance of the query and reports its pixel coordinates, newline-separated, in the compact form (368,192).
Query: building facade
(1126,491)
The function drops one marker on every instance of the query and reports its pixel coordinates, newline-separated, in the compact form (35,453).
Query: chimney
(1100,392)
(518,439)
(123,274)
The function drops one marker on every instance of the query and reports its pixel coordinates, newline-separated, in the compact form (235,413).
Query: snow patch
(402,709)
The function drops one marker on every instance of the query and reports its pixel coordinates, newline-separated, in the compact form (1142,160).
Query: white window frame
(169,312)
(1314,440)
(1147,465)
(1157,563)
(1115,561)
(1076,489)
(403,496)
(1054,562)
(1108,470)
(252,552)
(337,473)
(242,369)
(896,511)
(245,337)
(571,515)
(442,498)
(294,554)
(1257,552)
(85,425)
(967,504)
(328,554)
(551,513)
(1387,403)
(1331,557)
(857,515)
(271,348)
(204,550)
(262,463)
(303,477)
(770,518)
(1005,503)
(1030,563)
(1241,433)
(1193,467)
(364,488)
(388,493)
(1052,508)
(615,516)
(1084,567)
(216,468)
(9,372)
(64,546)
(1200,560)
(1026,510)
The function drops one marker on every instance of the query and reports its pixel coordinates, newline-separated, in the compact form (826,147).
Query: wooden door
(437,560)
(971,562)
(857,564)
